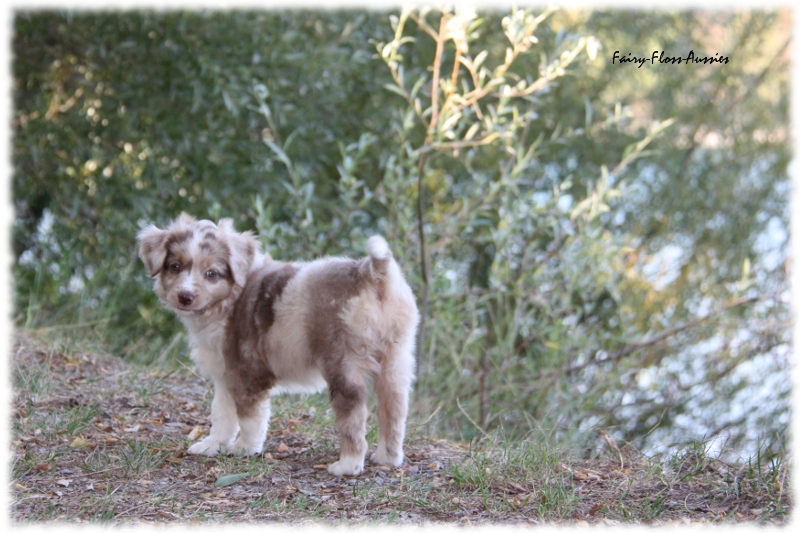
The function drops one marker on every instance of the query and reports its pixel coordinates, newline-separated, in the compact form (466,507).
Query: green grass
(116,435)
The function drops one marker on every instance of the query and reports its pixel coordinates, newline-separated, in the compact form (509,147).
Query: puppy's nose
(185,297)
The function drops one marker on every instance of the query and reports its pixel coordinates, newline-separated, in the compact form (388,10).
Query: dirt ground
(97,440)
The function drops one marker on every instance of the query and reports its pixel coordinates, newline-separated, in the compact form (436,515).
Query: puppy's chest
(206,349)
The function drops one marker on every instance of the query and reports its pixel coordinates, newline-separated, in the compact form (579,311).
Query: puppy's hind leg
(392,387)
(349,401)
(223,424)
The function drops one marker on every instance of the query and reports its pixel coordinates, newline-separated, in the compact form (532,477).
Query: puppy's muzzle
(185,297)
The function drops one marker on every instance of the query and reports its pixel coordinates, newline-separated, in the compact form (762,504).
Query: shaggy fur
(259,326)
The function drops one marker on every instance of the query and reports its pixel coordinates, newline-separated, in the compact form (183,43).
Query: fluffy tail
(380,254)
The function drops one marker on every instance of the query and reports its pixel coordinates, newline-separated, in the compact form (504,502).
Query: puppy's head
(197,265)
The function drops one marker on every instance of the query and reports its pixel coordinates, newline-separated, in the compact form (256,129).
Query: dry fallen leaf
(516,486)
(195,433)
(78,443)
(64,482)
(217,501)
(282,448)
(413,469)
(522,499)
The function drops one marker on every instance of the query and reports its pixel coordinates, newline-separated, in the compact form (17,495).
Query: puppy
(259,327)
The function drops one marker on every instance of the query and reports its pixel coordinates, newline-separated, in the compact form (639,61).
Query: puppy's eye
(211,274)
(175,267)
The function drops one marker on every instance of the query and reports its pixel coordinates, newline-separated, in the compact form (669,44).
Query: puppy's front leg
(253,426)
(224,424)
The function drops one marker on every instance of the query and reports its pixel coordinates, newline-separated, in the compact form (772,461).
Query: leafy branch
(448,126)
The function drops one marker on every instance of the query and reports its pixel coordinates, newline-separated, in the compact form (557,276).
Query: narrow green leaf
(224,481)
(280,153)
(472,131)
(394,88)
(418,86)
(479,59)
(589,113)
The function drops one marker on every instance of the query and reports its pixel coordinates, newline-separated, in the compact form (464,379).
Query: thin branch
(423,254)
(437,65)
(542,82)
(456,65)
(399,82)
(636,346)
(613,446)
(424,25)
(479,428)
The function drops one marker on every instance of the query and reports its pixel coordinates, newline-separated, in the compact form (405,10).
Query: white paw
(347,466)
(210,446)
(243,448)
(381,457)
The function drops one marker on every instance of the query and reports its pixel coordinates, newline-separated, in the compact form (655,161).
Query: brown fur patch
(249,376)
(270,290)
(328,335)
(342,281)
(178,237)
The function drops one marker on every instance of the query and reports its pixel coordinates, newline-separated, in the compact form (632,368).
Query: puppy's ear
(243,248)
(152,248)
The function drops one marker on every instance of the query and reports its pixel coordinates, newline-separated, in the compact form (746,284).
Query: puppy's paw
(382,457)
(347,466)
(209,446)
(243,448)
